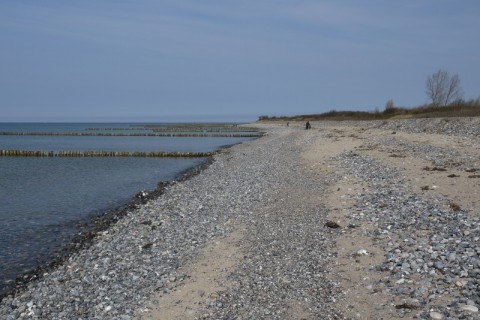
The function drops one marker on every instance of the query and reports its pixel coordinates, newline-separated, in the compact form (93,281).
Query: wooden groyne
(86,154)
(106,134)
(193,127)
(181,128)
(200,129)
(116,129)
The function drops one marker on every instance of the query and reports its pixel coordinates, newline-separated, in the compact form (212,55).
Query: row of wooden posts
(201,129)
(180,129)
(63,153)
(90,134)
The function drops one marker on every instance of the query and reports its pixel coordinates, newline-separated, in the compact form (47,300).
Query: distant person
(307,125)
(288,124)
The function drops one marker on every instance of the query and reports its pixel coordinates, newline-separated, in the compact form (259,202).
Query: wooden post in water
(100,153)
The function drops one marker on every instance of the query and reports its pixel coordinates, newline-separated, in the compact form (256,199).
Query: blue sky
(155,60)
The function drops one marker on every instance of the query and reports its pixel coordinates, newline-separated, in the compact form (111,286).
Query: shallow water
(83,143)
(43,199)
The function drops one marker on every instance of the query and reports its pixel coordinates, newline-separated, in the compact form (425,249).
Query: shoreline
(90,226)
(333,222)
(93,225)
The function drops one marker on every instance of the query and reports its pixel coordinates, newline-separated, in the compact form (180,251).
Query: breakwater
(96,153)
(200,128)
(106,134)
(179,129)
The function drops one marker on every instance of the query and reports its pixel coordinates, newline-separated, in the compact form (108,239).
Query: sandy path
(207,276)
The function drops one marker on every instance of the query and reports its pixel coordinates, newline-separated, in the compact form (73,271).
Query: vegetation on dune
(443,91)
(465,109)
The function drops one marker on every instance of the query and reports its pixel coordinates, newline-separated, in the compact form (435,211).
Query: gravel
(288,249)
(286,245)
(462,127)
(437,251)
(136,258)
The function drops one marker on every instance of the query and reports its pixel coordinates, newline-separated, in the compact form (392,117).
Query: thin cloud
(231,54)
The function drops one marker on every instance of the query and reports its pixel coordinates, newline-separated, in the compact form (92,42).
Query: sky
(187,60)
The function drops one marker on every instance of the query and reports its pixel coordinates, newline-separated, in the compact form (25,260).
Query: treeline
(442,89)
(459,108)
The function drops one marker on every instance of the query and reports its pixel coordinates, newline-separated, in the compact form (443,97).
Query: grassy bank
(465,109)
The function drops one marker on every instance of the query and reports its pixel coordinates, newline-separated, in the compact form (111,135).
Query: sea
(44,200)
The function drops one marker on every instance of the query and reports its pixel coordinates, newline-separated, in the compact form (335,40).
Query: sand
(209,272)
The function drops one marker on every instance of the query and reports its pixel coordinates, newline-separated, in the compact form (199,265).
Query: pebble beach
(348,220)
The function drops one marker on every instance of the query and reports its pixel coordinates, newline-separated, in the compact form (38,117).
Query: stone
(405,266)
(332,224)
(439,265)
(469,308)
(436,315)
(461,283)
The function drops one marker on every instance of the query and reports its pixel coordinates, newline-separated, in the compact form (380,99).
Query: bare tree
(442,89)
(389,105)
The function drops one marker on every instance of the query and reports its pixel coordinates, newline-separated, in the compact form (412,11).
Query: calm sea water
(43,199)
